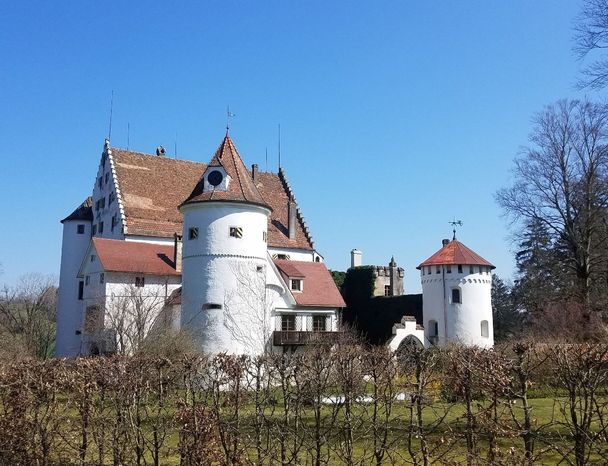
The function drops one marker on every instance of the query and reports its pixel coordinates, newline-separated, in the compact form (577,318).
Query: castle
(223,252)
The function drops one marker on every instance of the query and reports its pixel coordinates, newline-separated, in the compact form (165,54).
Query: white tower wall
(468,322)
(223,284)
(69,307)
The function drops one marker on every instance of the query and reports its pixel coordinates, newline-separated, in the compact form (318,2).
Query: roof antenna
(128,134)
(279,146)
(455,223)
(111,109)
(229,115)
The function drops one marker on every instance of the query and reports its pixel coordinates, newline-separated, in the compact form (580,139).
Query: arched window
(485,329)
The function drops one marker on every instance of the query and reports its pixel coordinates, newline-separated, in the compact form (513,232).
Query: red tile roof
(152,188)
(83,212)
(318,289)
(135,257)
(241,187)
(455,253)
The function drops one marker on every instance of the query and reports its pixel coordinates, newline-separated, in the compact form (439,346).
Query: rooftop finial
(455,223)
(229,115)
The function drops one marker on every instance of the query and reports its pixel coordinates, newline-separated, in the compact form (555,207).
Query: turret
(456,294)
(224,255)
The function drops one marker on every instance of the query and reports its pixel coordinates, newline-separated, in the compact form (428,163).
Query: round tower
(76,239)
(224,258)
(456,296)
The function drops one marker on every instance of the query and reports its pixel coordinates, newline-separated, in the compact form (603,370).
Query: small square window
(296,284)
(87,280)
(193,233)
(80,229)
(140,281)
(236,232)
(102,278)
(80,290)
(459,268)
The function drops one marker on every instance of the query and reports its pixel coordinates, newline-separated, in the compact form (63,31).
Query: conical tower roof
(454,253)
(241,187)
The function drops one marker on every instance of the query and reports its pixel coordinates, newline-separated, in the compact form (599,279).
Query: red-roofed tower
(456,293)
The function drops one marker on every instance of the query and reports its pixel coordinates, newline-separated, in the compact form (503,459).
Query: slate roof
(455,253)
(135,257)
(83,212)
(241,187)
(319,288)
(152,188)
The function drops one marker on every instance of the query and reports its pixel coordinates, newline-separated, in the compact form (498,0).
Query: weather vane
(229,115)
(455,223)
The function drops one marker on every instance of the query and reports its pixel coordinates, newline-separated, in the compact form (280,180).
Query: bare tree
(561,182)
(591,38)
(27,314)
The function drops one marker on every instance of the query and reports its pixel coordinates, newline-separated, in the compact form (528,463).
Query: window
(107,177)
(264,236)
(100,228)
(448,269)
(456,296)
(80,290)
(459,268)
(282,257)
(260,268)
(387,290)
(94,231)
(288,323)
(485,329)
(296,284)
(80,229)
(114,222)
(102,202)
(319,323)
(193,233)
(471,269)
(433,331)
(428,270)
(236,232)
(99,181)
(111,198)
(211,306)
(92,257)
(438,269)
(140,281)
(101,278)
(480,269)
(87,280)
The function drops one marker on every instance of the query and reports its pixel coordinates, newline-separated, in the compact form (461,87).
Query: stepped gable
(454,253)
(241,187)
(83,212)
(152,187)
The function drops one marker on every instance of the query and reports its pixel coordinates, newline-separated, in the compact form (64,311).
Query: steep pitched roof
(319,288)
(135,257)
(83,212)
(454,253)
(241,187)
(152,188)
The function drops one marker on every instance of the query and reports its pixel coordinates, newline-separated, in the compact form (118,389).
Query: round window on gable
(215,178)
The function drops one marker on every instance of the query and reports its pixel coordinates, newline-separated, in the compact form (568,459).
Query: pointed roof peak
(241,187)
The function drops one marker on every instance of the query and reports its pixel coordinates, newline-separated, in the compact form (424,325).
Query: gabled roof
(319,288)
(83,212)
(152,188)
(241,187)
(454,253)
(135,257)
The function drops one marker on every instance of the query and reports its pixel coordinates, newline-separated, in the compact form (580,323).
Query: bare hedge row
(351,406)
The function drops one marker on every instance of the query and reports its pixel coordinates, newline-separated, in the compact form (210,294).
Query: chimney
(254,171)
(393,277)
(292,218)
(177,252)
(355,258)
(160,151)
(445,242)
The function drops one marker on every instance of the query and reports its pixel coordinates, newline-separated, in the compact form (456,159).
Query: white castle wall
(69,307)
(458,322)
(220,270)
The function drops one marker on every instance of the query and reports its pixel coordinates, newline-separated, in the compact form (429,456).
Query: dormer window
(296,284)
(215,178)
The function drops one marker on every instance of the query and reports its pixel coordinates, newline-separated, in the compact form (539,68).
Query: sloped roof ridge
(299,214)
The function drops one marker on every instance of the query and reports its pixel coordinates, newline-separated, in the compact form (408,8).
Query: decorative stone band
(239,256)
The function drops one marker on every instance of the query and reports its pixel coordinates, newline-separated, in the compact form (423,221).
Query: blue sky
(395,116)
